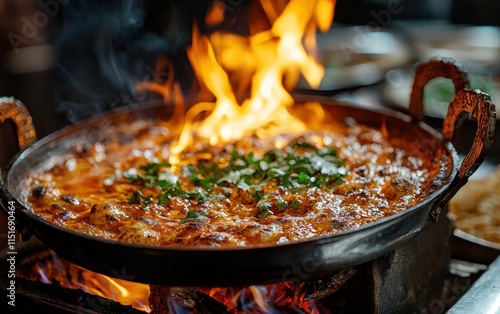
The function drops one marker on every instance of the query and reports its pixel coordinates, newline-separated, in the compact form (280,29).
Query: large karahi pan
(294,261)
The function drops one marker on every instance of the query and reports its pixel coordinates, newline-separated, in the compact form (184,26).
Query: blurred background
(71,59)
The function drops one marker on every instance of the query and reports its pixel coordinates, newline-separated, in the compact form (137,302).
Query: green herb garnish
(194,216)
(138,198)
(264,209)
(296,169)
(281,204)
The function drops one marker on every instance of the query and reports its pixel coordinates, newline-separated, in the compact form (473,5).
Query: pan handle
(479,105)
(426,71)
(466,101)
(13,109)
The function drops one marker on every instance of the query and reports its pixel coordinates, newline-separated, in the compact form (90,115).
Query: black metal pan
(296,261)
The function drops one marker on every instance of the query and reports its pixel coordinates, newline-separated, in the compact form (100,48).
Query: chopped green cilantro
(194,216)
(281,204)
(264,208)
(296,169)
(138,198)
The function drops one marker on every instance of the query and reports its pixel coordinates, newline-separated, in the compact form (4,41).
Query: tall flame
(268,63)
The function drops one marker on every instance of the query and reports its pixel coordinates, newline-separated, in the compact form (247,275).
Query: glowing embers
(289,297)
(284,297)
(48,268)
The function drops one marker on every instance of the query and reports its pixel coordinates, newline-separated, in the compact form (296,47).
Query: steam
(106,48)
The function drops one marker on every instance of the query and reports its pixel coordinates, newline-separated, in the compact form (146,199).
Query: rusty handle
(13,109)
(466,101)
(479,105)
(424,72)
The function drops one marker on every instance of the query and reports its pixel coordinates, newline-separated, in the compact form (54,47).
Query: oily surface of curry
(249,192)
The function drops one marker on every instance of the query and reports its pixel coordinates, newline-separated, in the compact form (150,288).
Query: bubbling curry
(249,192)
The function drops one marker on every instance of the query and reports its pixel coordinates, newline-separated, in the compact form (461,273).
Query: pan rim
(134,109)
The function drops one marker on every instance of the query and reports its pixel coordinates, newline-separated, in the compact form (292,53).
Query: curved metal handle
(479,105)
(13,109)
(466,101)
(424,72)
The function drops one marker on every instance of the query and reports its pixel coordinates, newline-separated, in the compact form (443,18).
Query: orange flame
(122,291)
(280,297)
(267,64)
(68,275)
(272,298)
